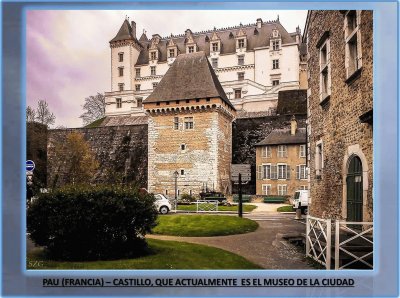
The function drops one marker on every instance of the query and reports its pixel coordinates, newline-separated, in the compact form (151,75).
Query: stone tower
(190,129)
(125,50)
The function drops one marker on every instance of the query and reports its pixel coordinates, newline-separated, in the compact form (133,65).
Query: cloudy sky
(68,54)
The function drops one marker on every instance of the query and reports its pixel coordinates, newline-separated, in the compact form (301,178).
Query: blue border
(226,6)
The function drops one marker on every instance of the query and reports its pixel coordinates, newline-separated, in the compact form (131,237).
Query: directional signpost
(240,173)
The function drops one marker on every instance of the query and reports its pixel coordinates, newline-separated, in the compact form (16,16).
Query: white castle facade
(253,63)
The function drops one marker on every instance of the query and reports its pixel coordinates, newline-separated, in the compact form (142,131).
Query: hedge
(92,223)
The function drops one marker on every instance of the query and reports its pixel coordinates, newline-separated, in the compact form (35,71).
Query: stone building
(253,63)
(189,129)
(340,95)
(281,162)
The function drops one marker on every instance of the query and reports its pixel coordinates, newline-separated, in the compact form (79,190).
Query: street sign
(30,165)
(244,170)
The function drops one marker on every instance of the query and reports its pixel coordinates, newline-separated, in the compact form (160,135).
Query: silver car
(162,204)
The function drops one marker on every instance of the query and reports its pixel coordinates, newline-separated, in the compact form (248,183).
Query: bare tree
(43,114)
(94,108)
(30,114)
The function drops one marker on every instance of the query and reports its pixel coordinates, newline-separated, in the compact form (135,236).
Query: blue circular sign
(30,165)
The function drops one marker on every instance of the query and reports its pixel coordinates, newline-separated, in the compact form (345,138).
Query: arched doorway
(354,185)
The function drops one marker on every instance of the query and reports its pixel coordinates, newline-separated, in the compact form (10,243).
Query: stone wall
(120,150)
(336,121)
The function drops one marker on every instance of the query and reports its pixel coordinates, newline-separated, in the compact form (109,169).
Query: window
(275,45)
(282,189)
(266,172)
(214,62)
(238,93)
(282,151)
(171,53)
(119,102)
(301,172)
(188,122)
(137,70)
(139,102)
(241,60)
(303,187)
(353,52)
(266,189)
(183,147)
(137,87)
(153,70)
(176,123)
(324,66)
(319,159)
(191,49)
(155,85)
(120,57)
(153,55)
(240,76)
(215,46)
(266,151)
(166,192)
(302,150)
(275,64)
(275,82)
(120,71)
(283,171)
(241,43)
(182,172)
(121,86)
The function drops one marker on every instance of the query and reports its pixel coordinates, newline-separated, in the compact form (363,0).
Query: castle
(253,63)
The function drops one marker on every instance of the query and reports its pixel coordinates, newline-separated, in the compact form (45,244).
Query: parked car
(300,200)
(162,204)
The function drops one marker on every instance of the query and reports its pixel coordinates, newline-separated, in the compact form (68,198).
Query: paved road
(265,246)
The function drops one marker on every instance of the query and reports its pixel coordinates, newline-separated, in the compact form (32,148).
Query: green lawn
(288,208)
(203,225)
(165,255)
(193,207)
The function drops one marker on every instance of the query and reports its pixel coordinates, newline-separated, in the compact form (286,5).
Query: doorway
(354,189)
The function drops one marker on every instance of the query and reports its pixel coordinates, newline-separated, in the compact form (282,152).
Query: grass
(288,208)
(165,255)
(95,123)
(203,225)
(193,207)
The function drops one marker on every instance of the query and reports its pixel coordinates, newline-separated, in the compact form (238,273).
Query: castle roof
(283,137)
(256,37)
(190,76)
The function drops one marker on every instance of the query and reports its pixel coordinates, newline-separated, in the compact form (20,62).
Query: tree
(76,161)
(94,108)
(43,114)
(30,114)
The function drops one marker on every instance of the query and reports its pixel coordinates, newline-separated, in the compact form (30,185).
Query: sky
(68,53)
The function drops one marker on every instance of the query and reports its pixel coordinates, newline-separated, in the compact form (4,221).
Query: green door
(354,190)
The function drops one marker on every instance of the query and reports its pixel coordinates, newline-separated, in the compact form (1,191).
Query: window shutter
(268,151)
(328,58)
(259,169)
(298,172)
(288,172)
(274,174)
(268,192)
(347,57)
(359,48)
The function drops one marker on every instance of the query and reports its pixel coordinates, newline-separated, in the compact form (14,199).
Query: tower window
(120,71)
(120,57)
(121,86)
(275,82)
(183,147)
(182,172)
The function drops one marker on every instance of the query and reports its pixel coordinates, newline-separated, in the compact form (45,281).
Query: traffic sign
(30,165)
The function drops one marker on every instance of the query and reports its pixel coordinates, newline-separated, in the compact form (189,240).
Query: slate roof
(283,137)
(190,76)
(125,33)
(256,37)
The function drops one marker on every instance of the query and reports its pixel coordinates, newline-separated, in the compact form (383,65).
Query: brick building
(281,162)
(340,95)
(189,129)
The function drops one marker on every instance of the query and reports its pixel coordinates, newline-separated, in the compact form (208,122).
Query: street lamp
(176,174)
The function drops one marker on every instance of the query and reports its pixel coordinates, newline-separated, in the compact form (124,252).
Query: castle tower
(190,129)
(125,50)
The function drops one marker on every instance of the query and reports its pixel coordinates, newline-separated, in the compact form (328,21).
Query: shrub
(90,223)
(187,198)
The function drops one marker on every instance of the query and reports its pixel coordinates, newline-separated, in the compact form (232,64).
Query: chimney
(133,24)
(259,23)
(293,125)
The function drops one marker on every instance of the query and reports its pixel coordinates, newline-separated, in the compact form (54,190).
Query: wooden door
(354,190)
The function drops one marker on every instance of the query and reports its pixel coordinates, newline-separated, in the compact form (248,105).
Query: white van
(300,200)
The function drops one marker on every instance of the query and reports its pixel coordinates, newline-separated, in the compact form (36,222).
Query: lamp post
(176,174)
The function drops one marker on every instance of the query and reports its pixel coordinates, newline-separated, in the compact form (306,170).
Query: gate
(207,205)
(318,240)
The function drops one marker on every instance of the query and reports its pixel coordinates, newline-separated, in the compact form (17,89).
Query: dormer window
(215,46)
(171,53)
(241,43)
(190,49)
(275,33)
(275,45)
(153,56)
